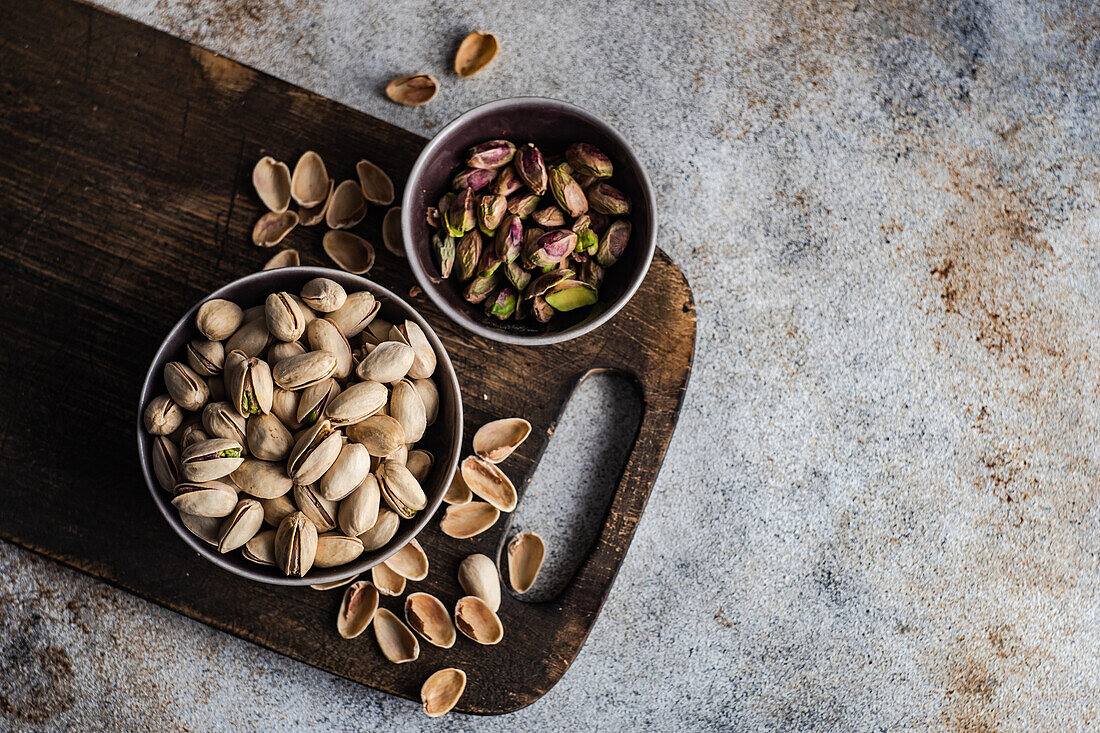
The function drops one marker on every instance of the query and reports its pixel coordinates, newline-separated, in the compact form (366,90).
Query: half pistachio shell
(412,90)
(475,619)
(262,479)
(166,462)
(463,521)
(490,483)
(525,555)
(357,609)
(347,206)
(429,395)
(334,583)
(386,581)
(427,616)
(375,184)
(388,362)
(271,179)
(346,473)
(410,333)
(420,462)
(186,388)
(458,492)
(409,562)
(284,258)
(383,530)
(442,691)
(241,525)
(391,232)
(305,370)
(261,548)
(496,440)
(295,545)
(477,575)
(205,528)
(310,183)
(206,498)
(475,52)
(349,251)
(309,216)
(359,510)
(394,638)
(408,409)
(335,549)
(323,335)
(272,228)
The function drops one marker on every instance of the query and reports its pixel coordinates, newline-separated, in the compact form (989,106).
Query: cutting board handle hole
(571,489)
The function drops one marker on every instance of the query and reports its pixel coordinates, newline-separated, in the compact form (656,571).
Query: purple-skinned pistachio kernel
(588,160)
(606,199)
(491,154)
(613,242)
(531,168)
(474,179)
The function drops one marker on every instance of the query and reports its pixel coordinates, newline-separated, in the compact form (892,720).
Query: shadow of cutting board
(125,195)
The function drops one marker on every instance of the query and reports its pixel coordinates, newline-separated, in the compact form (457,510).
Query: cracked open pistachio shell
(321,511)
(314,453)
(356,403)
(531,168)
(589,160)
(206,529)
(463,521)
(347,207)
(210,459)
(217,319)
(206,498)
(376,186)
(334,549)
(192,434)
(350,252)
(334,583)
(309,216)
(251,339)
(348,471)
(475,619)
(391,232)
(525,554)
(394,638)
(206,357)
(383,530)
(323,335)
(358,511)
(261,479)
(272,228)
(425,360)
(613,242)
(240,525)
(284,318)
(491,154)
(567,192)
(400,489)
(475,52)
(309,185)
(458,492)
(487,481)
(220,420)
(427,616)
(494,441)
(284,350)
(305,370)
(315,400)
(261,548)
(357,609)
(477,575)
(408,409)
(386,581)
(409,562)
(276,508)
(248,384)
(166,462)
(420,462)
(381,435)
(412,90)
(388,362)
(606,199)
(268,438)
(324,295)
(162,415)
(295,544)
(271,179)
(284,405)
(441,692)
(429,395)
(357,312)
(187,389)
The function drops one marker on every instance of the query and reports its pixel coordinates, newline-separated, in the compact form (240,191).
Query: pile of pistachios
(302,413)
(530,237)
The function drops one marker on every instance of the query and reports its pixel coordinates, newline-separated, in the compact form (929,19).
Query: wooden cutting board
(125,196)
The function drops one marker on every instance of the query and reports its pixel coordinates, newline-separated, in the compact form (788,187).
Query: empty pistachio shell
(389,362)
(394,638)
(358,511)
(347,207)
(334,583)
(348,471)
(251,339)
(324,295)
(261,548)
(412,90)
(334,549)
(391,232)
(241,525)
(487,481)
(375,184)
(166,462)
(419,463)
(400,489)
(428,617)
(315,400)
(206,357)
(206,499)
(386,581)
(458,492)
(277,508)
(357,609)
(409,562)
(383,530)
(268,438)
(271,179)
(310,183)
(162,415)
(206,529)
(284,350)
(398,456)
(408,409)
(496,440)
(284,318)
(309,216)
(220,420)
(357,312)
(295,545)
(272,228)
(316,450)
(186,388)
(463,521)
(210,459)
(441,692)
(475,619)
(305,370)
(475,52)
(381,435)
(349,251)
(323,335)
(525,554)
(321,511)
(356,403)
(378,330)
(261,479)
(217,319)
(477,575)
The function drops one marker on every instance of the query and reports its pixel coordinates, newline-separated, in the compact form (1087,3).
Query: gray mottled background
(879,509)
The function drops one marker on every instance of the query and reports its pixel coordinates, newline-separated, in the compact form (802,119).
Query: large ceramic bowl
(552,126)
(443,438)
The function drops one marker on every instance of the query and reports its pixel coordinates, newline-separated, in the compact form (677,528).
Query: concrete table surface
(879,509)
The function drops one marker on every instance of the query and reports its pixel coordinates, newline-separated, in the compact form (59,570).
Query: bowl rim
(159,495)
(461,318)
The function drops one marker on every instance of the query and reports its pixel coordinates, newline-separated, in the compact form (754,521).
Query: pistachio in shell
(218,319)
(346,473)
(321,511)
(323,335)
(427,616)
(525,555)
(285,320)
(357,312)
(162,415)
(284,350)
(349,251)
(347,206)
(271,179)
(475,52)
(268,438)
(187,389)
(394,638)
(375,185)
(442,691)
(391,232)
(272,228)
(206,529)
(314,453)
(251,339)
(383,530)
(324,295)
(381,435)
(478,576)
(305,370)
(166,462)
(357,609)
(275,509)
(261,548)
(261,479)
(295,545)
(388,362)
(356,403)
(420,462)
(400,489)
(205,498)
(284,258)
(210,459)
(494,441)
(309,186)
(412,90)
(241,525)
(358,511)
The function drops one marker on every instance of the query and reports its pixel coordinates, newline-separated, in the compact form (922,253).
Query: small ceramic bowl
(443,438)
(552,126)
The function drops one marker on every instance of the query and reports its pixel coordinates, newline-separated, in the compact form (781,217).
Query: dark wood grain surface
(125,157)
